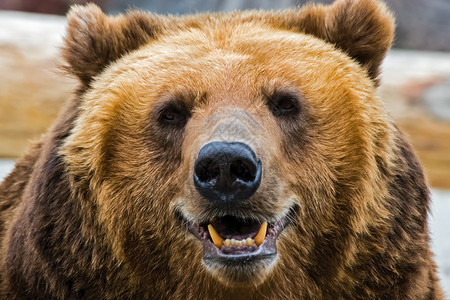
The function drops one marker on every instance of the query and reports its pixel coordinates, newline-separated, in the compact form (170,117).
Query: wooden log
(32,90)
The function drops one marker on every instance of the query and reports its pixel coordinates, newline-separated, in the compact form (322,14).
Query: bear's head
(234,147)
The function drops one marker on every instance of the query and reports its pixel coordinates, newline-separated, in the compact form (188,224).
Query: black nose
(227,172)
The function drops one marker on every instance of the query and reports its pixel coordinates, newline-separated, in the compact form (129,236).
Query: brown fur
(91,212)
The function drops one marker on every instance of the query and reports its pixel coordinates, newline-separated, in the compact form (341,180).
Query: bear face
(228,155)
(236,80)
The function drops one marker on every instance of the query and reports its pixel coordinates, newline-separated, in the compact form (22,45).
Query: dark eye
(283,104)
(173,114)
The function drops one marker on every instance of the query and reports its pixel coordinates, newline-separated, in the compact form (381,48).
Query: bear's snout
(227,172)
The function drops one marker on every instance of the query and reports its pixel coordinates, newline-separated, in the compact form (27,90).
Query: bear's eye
(283,104)
(173,114)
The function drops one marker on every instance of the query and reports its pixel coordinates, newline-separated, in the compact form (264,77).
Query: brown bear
(240,155)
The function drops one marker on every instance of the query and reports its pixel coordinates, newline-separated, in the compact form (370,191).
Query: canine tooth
(261,235)
(250,241)
(227,243)
(217,240)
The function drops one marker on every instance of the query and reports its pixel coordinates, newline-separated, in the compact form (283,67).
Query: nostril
(243,170)
(207,170)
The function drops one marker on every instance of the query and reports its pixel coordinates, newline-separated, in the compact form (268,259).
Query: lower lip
(265,251)
(239,259)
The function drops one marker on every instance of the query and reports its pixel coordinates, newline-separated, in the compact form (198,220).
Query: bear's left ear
(94,40)
(364,29)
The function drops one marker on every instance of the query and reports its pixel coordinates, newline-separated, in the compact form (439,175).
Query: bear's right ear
(94,40)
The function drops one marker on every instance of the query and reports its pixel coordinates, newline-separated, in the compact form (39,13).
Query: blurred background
(415,81)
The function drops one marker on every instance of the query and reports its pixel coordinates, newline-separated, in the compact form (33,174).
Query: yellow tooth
(217,240)
(250,242)
(261,235)
(227,243)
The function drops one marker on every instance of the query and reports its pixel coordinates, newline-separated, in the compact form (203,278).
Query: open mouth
(232,240)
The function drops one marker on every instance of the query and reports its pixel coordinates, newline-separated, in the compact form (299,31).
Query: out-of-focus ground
(415,89)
